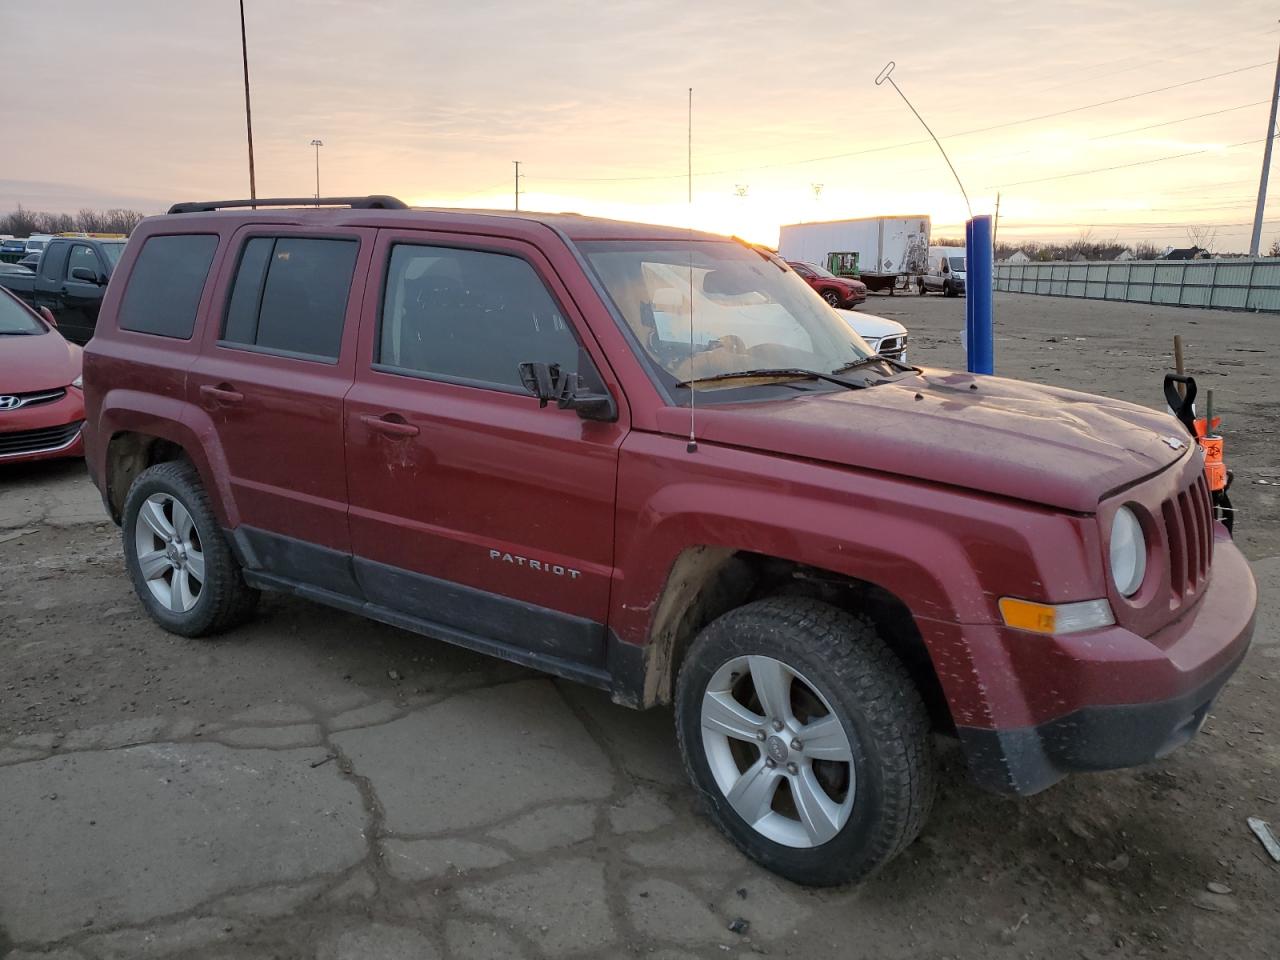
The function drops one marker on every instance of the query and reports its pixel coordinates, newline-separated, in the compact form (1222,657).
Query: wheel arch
(706,582)
(153,431)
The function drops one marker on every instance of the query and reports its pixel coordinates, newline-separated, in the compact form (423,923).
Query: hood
(41,362)
(870,327)
(1010,438)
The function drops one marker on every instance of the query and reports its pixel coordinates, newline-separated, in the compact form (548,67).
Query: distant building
(1017,257)
(1077,257)
(1125,254)
(1185,253)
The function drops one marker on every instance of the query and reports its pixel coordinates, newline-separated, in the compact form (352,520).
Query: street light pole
(1256,241)
(517,163)
(317,144)
(248,108)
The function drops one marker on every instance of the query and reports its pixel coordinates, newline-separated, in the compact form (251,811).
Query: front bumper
(45,431)
(1129,700)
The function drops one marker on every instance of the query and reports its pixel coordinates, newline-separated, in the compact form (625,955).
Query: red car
(41,406)
(481,427)
(837,291)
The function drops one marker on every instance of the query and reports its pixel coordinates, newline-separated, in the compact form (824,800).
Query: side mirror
(548,382)
(85,274)
(48,318)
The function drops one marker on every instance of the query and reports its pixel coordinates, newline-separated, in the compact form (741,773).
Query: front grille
(893,347)
(38,441)
(1188,524)
(31,399)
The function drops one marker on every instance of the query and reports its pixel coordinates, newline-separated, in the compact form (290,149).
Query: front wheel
(831,297)
(920,287)
(806,739)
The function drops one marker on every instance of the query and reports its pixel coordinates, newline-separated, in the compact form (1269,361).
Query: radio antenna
(693,390)
(887,74)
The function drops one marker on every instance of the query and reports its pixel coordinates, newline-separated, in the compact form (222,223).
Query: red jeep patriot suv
(654,461)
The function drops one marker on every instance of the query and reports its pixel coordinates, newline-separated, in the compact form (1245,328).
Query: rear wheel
(920,287)
(806,738)
(177,557)
(831,297)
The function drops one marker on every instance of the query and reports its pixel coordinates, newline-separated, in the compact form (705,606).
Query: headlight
(873,344)
(1128,552)
(78,382)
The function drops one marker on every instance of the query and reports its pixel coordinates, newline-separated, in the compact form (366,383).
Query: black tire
(831,297)
(224,600)
(872,695)
(920,286)
(948,290)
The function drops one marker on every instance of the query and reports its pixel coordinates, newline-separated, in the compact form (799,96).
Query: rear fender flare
(174,420)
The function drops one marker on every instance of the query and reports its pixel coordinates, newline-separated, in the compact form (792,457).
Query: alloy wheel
(169,553)
(778,752)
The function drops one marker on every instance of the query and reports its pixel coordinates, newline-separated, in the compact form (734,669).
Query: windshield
(35,244)
(16,320)
(821,271)
(957,263)
(748,313)
(112,252)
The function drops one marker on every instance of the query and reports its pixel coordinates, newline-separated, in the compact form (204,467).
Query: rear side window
(290,295)
(470,315)
(165,285)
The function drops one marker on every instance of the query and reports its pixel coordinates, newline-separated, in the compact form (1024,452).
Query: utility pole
(517,163)
(1266,164)
(995,227)
(317,144)
(688,153)
(248,109)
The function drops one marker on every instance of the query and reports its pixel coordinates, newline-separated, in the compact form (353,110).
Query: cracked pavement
(315,785)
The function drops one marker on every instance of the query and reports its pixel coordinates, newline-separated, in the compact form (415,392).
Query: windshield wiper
(794,373)
(873,358)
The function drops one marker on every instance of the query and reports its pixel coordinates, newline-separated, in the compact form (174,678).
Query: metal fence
(1236,284)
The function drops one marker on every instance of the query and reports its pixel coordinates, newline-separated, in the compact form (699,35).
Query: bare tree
(1275,248)
(20,223)
(23,223)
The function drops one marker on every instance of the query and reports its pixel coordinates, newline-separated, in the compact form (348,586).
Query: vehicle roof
(573,225)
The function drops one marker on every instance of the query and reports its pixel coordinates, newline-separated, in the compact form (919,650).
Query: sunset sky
(139,103)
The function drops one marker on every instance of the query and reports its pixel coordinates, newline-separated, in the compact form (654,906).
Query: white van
(946,272)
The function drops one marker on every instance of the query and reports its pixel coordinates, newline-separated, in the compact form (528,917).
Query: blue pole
(978,297)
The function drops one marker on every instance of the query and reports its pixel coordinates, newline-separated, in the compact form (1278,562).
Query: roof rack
(373,202)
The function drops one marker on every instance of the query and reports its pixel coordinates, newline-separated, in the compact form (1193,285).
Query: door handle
(392,428)
(223,394)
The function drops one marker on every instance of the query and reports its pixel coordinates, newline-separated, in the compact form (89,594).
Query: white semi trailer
(887,248)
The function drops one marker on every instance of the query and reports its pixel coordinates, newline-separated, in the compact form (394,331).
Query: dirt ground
(315,785)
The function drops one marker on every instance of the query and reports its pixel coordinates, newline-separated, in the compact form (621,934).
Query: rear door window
(165,284)
(290,296)
(470,315)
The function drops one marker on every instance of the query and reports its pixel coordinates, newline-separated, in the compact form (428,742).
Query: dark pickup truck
(70,281)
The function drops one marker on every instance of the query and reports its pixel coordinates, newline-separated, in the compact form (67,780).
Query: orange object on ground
(1215,469)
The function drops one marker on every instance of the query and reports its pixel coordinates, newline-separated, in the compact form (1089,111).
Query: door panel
(80,298)
(495,516)
(278,417)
